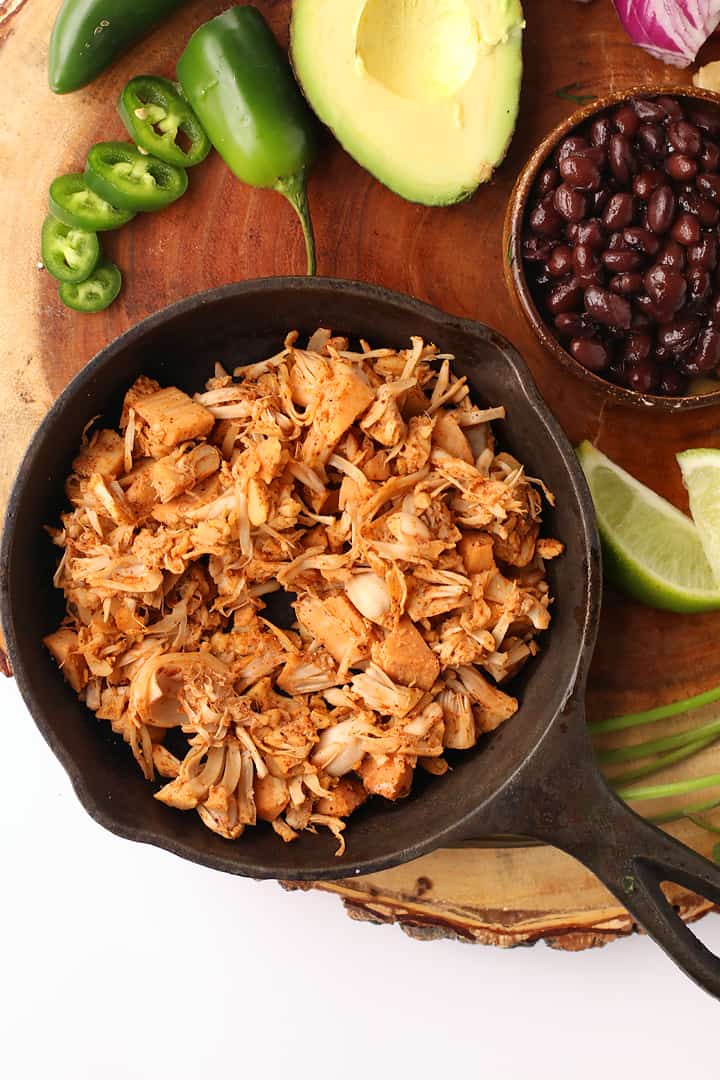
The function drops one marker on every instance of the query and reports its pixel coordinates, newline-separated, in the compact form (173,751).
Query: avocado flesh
(422,93)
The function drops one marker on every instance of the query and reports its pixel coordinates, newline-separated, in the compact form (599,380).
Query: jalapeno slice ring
(95,293)
(121,174)
(71,201)
(160,120)
(69,254)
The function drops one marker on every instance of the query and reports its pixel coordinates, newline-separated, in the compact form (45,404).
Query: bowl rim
(514,268)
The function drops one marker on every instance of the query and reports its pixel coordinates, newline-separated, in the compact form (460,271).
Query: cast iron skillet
(534,777)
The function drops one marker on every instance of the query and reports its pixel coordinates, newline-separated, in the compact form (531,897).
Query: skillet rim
(366,293)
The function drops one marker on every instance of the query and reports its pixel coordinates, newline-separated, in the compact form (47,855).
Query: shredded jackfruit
(364,482)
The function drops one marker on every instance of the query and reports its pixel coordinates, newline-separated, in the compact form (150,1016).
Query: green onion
(682,812)
(702,824)
(629,720)
(663,762)
(658,746)
(661,791)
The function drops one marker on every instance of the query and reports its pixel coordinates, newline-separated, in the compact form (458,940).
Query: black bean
(571,145)
(585,260)
(647,109)
(568,296)
(580,172)
(570,203)
(710,157)
(544,219)
(626,121)
(651,140)
(560,261)
(592,233)
(623,262)
(596,154)
(686,230)
(706,356)
(661,209)
(647,181)
(643,240)
(548,180)
(709,185)
(640,321)
(590,352)
(670,382)
(636,347)
(689,199)
(626,284)
(607,308)
(666,287)
(572,325)
(684,137)
(644,304)
(670,106)
(619,211)
(705,116)
(600,132)
(658,313)
(703,255)
(536,249)
(679,335)
(599,200)
(622,159)
(707,212)
(640,377)
(681,167)
(698,285)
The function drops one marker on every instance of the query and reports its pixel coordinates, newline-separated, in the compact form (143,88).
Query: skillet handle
(633,870)
(560,797)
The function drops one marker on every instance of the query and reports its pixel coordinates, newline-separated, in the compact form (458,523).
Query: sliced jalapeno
(68,254)
(118,172)
(94,294)
(71,201)
(160,120)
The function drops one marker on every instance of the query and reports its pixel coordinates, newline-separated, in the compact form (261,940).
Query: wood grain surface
(222,231)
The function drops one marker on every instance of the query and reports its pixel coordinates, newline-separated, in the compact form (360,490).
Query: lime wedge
(651,550)
(701,473)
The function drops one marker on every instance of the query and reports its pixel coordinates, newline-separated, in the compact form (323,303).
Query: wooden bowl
(514,264)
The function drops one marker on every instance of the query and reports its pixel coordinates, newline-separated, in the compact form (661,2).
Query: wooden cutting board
(222,232)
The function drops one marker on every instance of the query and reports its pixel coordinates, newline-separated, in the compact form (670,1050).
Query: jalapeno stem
(295,191)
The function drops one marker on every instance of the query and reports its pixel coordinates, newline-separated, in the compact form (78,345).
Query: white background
(121,962)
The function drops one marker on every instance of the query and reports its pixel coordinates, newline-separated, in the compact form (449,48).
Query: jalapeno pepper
(119,173)
(89,34)
(68,254)
(157,117)
(239,83)
(95,293)
(71,201)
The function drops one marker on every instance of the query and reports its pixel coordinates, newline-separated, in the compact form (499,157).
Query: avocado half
(422,93)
